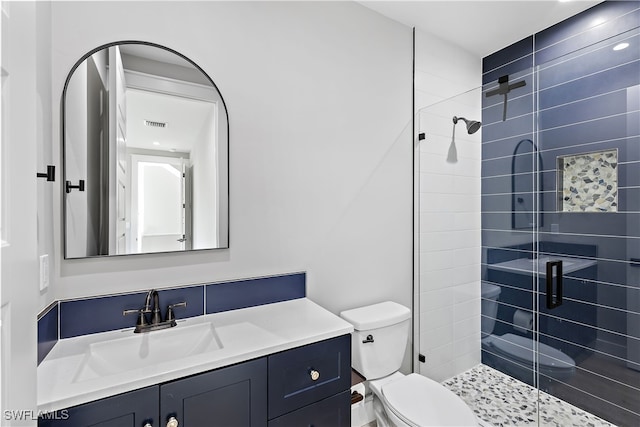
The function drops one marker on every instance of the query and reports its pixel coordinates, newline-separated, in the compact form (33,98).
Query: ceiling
(480,27)
(186,121)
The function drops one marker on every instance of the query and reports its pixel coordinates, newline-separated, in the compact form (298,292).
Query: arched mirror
(145,154)
(526,187)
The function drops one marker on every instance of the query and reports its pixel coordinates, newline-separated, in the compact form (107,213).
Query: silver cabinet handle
(172,422)
(314,374)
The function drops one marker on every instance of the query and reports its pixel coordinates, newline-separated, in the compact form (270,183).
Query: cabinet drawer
(292,372)
(334,411)
(131,409)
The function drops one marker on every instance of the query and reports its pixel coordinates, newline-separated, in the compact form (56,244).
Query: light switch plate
(44,272)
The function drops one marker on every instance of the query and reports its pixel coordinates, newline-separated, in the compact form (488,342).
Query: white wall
(76,158)
(205,185)
(448,228)
(26,112)
(46,191)
(319,101)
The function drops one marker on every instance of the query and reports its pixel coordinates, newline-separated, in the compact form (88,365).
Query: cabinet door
(132,409)
(235,396)
(304,375)
(332,412)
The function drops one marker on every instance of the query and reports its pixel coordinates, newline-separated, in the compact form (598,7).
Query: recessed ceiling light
(156,143)
(621,46)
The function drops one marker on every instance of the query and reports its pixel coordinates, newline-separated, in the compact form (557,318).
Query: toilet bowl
(379,340)
(516,354)
(518,357)
(414,400)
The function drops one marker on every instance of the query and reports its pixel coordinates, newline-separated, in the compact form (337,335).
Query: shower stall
(529,252)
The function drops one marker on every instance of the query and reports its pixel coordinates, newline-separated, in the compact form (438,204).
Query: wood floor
(615,398)
(356,378)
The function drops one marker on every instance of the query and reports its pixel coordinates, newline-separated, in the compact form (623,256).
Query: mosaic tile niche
(588,182)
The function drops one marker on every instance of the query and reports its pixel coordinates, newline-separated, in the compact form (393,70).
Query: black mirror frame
(63,144)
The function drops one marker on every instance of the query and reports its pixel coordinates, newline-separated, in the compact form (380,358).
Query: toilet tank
(379,339)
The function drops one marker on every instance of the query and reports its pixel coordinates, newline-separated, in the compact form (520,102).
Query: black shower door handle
(554,299)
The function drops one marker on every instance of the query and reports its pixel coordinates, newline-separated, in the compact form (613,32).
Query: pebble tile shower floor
(499,400)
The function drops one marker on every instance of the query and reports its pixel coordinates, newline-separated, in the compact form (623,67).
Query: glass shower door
(588,239)
(510,222)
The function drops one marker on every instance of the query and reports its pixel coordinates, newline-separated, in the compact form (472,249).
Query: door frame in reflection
(177,167)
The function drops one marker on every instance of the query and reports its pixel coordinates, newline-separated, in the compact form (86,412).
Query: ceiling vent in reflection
(153,124)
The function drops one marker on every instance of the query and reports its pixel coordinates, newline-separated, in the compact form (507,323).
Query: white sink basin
(528,265)
(542,261)
(142,350)
(91,367)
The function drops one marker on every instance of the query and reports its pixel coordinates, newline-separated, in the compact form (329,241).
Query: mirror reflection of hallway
(154,103)
(159,208)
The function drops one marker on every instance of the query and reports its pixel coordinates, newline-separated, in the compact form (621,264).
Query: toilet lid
(421,401)
(522,348)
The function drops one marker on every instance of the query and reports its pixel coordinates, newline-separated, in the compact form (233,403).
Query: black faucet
(156,318)
(152,306)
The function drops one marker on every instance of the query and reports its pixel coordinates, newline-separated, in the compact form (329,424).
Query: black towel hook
(68,187)
(50,174)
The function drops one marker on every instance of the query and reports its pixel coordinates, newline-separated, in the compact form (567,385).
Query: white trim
(166,85)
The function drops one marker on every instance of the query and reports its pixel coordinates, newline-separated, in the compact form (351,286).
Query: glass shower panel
(589,234)
(448,187)
(509,223)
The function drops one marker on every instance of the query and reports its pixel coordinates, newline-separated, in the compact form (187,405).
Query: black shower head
(472,125)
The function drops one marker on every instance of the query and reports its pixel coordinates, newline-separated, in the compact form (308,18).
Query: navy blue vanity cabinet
(310,385)
(232,396)
(334,411)
(132,409)
(303,386)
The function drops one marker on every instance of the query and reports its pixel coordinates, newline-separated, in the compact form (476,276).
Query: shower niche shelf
(588,182)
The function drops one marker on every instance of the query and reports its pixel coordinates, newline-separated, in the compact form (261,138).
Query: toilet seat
(521,349)
(420,401)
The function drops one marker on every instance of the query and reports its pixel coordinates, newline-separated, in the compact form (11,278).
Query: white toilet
(378,346)
(515,353)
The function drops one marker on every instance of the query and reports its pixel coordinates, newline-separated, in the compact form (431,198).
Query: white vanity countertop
(77,371)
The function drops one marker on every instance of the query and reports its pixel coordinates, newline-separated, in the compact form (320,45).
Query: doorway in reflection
(160,208)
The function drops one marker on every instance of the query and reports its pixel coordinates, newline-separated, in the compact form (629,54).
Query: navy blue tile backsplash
(93,315)
(252,292)
(72,318)
(47,330)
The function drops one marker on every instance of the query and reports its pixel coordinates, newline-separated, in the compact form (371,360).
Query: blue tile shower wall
(580,96)
(101,314)
(510,60)
(590,27)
